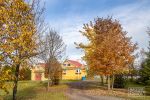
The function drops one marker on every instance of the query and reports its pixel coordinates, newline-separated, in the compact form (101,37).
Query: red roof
(76,63)
(42,64)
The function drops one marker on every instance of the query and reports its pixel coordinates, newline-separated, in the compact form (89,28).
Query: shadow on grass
(134,84)
(25,91)
(86,85)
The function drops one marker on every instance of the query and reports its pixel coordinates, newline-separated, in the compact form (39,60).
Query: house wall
(35,70)
(70,72)
(42,76)
(32,75)
(66,63)
(72,75)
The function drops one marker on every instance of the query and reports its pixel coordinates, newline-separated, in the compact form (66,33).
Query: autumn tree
(25,73)
(5,75)
(18,34)
(53,71)
(54,49)
(109,51)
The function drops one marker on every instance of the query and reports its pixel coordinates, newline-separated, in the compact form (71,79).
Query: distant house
(37,72)
(71,70)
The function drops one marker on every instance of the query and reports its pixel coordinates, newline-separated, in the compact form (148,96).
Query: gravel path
(78,94)
(74,95)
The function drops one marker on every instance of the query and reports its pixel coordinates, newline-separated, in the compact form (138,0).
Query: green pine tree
(145,67)
(145,71)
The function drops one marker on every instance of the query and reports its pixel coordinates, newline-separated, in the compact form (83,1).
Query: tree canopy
(18,38)
(109,50)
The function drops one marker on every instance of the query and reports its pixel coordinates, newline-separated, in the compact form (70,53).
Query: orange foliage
(109,50)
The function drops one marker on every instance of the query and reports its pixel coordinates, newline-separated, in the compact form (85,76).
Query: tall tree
(18,38)
(109,51)
(54,49)
(145,65)
(53,71)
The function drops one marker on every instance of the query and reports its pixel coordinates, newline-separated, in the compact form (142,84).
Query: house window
(64,71)
(78,71)
(68,64)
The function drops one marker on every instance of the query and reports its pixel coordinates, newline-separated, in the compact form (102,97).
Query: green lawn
(33,90)
(146,89)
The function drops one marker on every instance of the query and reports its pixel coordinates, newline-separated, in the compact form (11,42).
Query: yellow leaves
(109,50)
(20,29)
(5,75)
(4,87)
(2,9)
(17,35)
(1,58)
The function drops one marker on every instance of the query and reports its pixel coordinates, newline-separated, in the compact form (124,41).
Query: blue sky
(68,16)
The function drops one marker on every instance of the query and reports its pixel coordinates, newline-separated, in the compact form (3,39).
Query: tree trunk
(131,77)
(106,79)
(112,85)
(102,79)
(108,82)
(48,83)
(16,82)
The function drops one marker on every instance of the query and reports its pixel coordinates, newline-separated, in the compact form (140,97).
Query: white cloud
(135,18)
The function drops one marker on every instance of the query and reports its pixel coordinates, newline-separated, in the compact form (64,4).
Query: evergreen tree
(145,71)
(145,67)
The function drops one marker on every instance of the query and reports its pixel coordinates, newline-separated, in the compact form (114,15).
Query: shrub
(25,74)
(120,81)
(56,81)
(148,82)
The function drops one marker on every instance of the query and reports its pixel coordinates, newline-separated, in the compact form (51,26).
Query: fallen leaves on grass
(106,92)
